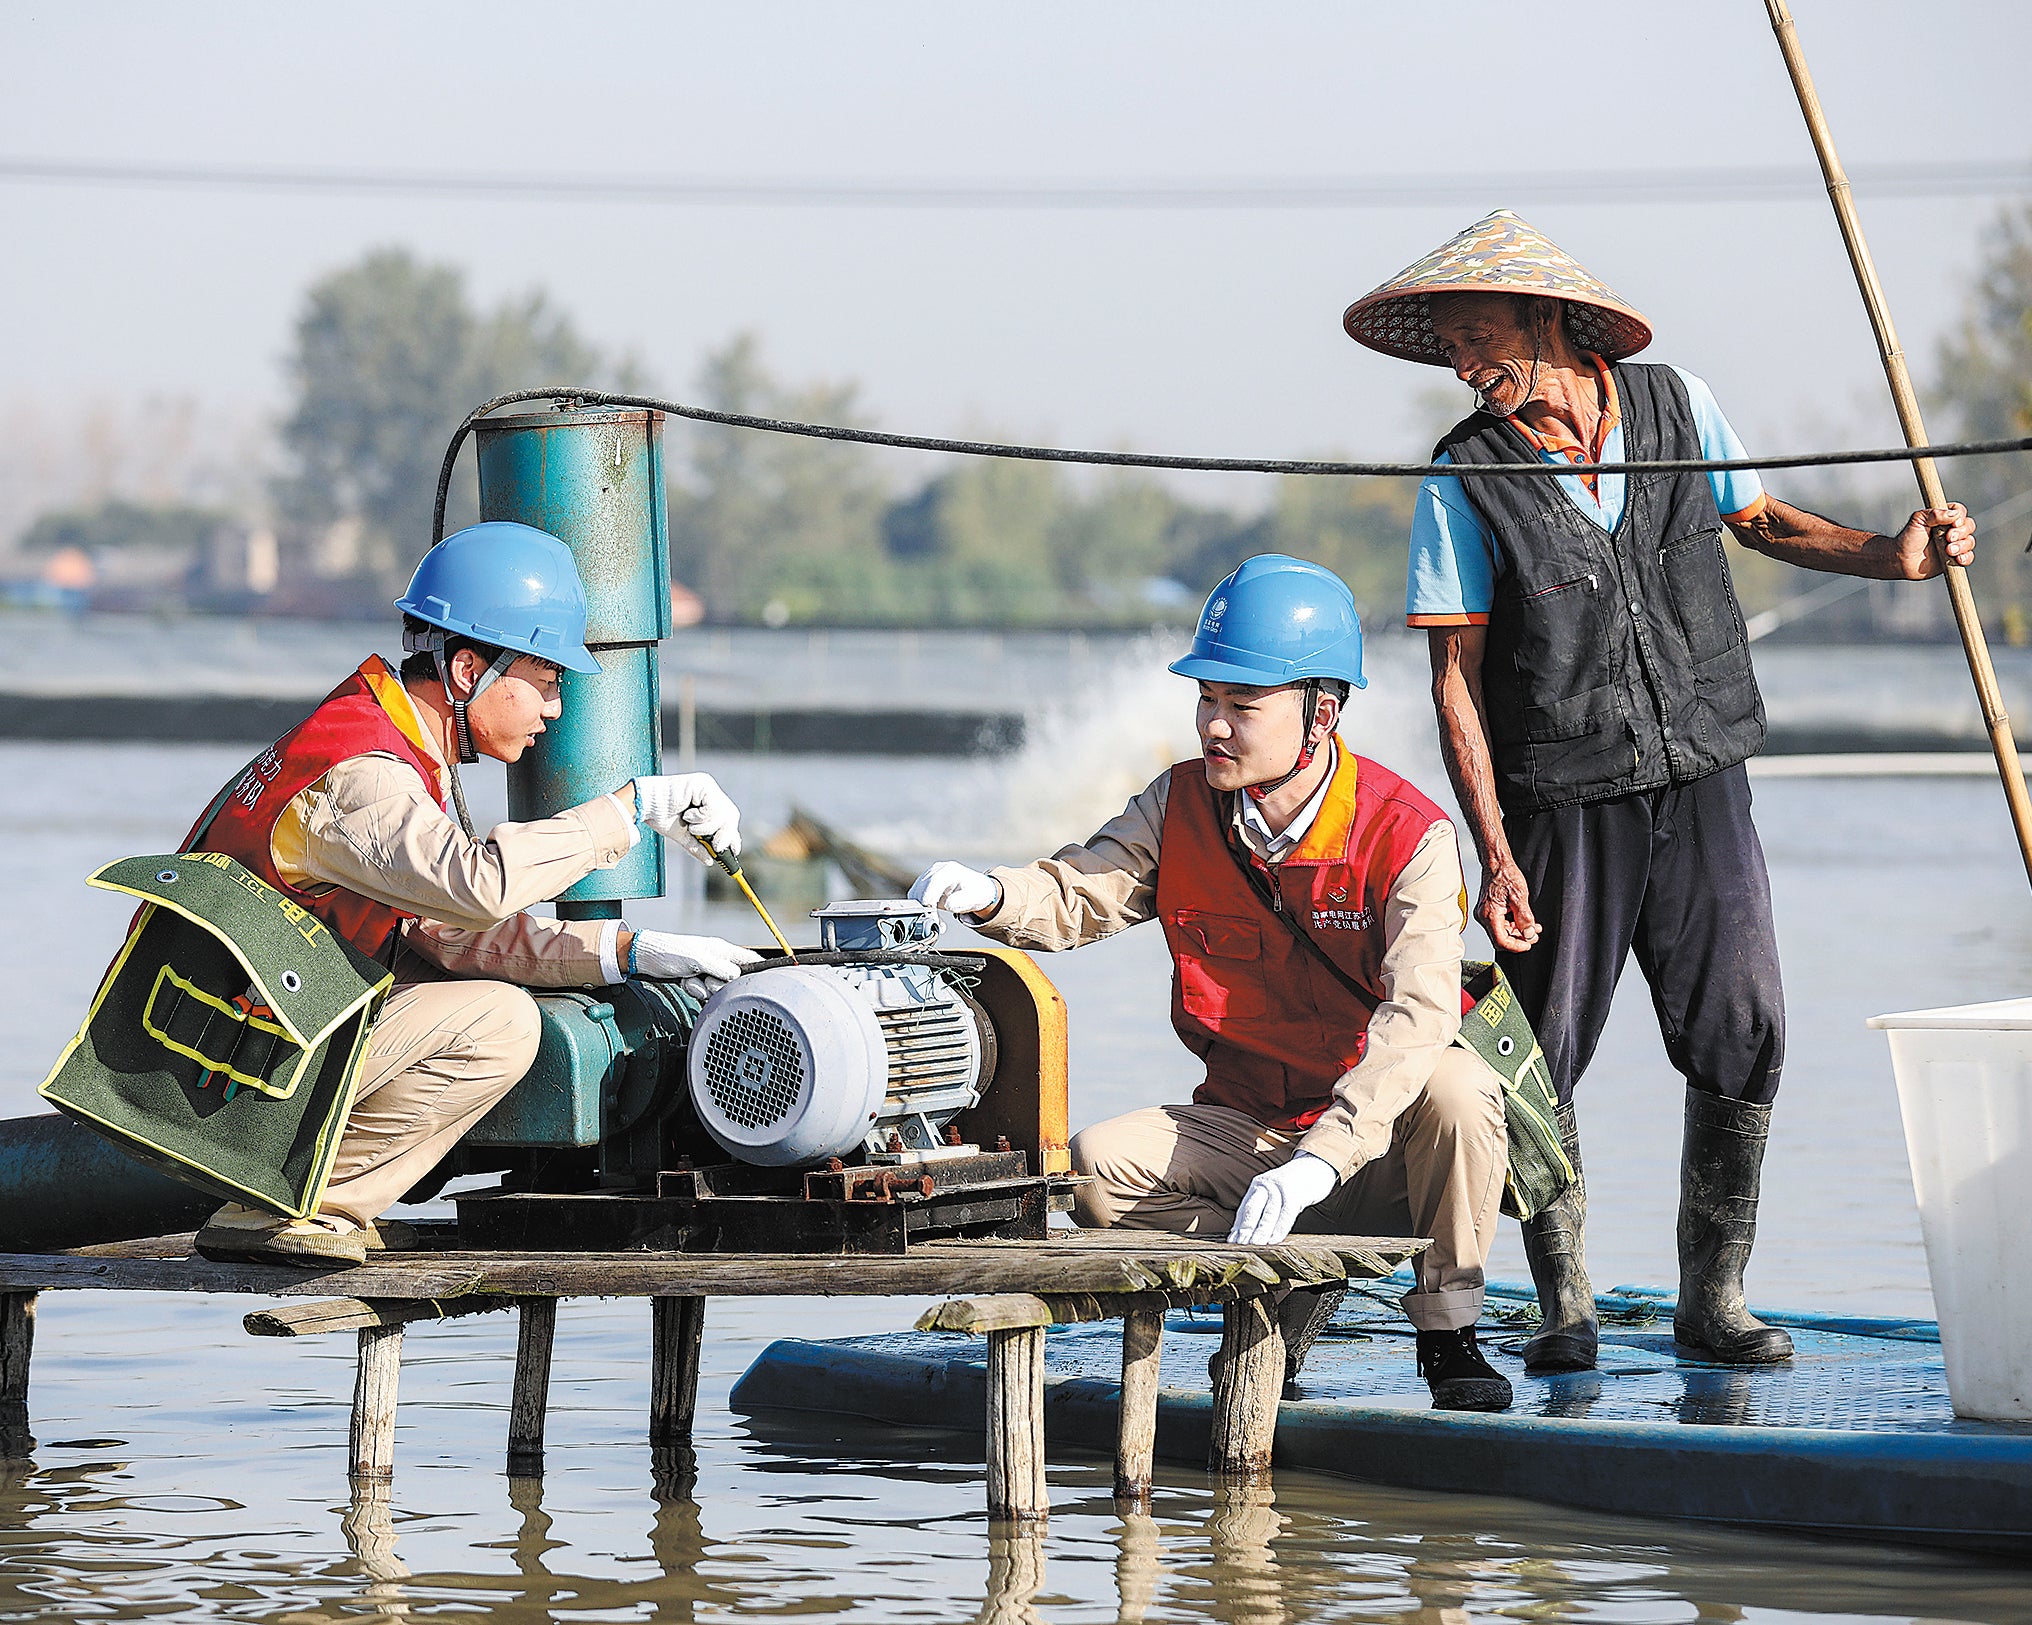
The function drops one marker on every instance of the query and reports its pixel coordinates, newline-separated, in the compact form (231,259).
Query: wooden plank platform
(1007,1290)
(1091,1261)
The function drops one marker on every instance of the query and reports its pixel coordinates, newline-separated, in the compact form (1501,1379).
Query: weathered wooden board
(1011,1310)
(1074,1263)
(354,1314)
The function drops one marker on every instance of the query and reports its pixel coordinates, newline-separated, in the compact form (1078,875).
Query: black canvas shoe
(1461,1380)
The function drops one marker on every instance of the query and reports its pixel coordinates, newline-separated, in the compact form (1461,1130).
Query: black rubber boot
(1555,1243)
(1461,1380)
(1719,1170)
(1305,1312)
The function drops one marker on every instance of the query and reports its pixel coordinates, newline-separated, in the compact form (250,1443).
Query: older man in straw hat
(1596,706)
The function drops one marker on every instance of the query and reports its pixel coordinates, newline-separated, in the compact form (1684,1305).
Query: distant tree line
(786,529)
(390,353)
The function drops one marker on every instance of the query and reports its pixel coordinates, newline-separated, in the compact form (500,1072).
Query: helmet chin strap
(461,729)
(1309,708)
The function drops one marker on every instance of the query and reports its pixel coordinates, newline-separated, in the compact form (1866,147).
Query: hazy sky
(1179,330)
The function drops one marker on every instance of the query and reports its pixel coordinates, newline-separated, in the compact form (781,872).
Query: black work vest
(1616,660)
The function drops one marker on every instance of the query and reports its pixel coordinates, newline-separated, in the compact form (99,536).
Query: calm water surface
(189,1472)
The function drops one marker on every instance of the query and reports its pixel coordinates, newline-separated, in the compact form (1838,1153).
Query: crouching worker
(1313,905)
(347,816)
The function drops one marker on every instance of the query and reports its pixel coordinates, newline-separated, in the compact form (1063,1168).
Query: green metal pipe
(594,479)
(62,1185)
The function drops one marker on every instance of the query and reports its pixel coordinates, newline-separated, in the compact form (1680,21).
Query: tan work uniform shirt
(1083,893)
(371,825)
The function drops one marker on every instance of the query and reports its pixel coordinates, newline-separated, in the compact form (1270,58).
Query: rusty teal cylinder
(594,480)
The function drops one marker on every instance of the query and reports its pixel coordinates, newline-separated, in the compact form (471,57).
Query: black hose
(567,396)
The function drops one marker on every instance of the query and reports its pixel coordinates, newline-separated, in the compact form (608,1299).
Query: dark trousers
(1677,876)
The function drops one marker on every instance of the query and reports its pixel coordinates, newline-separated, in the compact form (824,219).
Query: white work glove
(1273,1201)
(690,808)
(957,889)
(699,965)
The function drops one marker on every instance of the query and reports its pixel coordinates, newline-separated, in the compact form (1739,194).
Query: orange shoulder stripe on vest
(1327,840)
(389,694)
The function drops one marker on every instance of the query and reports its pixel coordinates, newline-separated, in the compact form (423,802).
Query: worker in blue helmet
(1312,903)
(356,816)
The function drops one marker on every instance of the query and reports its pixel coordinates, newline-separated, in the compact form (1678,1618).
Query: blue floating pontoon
(1854,1437)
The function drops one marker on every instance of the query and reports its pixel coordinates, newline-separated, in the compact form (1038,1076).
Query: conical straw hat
(1502,254)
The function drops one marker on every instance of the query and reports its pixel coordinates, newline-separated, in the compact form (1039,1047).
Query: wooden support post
(1248,1381)
(534,1335)
(1016,1488)
(1136,1425)
(373,1437)
(17,1342)
(677,1328)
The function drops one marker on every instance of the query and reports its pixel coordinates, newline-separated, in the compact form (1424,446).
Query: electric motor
(798,1063)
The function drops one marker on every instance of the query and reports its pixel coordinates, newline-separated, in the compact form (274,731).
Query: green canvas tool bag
(224,1043)
(1495,1028)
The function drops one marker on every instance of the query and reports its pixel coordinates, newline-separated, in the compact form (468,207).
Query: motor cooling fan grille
(754,1068)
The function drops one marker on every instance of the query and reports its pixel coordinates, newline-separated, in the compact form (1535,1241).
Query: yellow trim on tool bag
(309,1041)
(239,1017)
(325,1151)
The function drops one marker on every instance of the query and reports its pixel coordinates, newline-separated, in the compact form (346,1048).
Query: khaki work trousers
(1184,1169)
(439,1057)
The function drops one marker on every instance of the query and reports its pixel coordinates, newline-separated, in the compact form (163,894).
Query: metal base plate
(735,1208)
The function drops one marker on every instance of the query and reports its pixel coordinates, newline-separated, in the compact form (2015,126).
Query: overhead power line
(1972,178)
(563,396)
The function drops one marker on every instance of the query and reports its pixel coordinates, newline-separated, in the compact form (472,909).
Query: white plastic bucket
(1965,1090)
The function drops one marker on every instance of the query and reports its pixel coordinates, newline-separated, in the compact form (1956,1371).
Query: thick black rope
(1216,465)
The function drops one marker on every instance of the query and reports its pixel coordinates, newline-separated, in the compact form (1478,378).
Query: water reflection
(1571,1394)
(1717,1394)
(369,1528)
(849,1535)
(1138,1564)
(1015,1575)
(1244,1572)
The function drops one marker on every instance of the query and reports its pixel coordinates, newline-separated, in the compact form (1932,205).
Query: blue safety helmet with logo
(1274,621)
(512,587)
(1277,620)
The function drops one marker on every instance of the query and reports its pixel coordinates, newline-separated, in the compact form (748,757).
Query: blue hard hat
(1277,620)
(512,586)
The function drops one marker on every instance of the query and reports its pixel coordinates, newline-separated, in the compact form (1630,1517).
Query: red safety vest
(1276,1028)
(366,714)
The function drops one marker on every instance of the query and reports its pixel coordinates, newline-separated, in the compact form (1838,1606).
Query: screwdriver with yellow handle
(734,872)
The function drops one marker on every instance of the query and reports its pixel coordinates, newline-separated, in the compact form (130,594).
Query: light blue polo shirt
(1452,579)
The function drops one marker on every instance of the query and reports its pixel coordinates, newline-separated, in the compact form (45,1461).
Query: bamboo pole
(1967,621)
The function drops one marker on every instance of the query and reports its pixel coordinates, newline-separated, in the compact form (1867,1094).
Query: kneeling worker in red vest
(1313,906)
(349,815)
